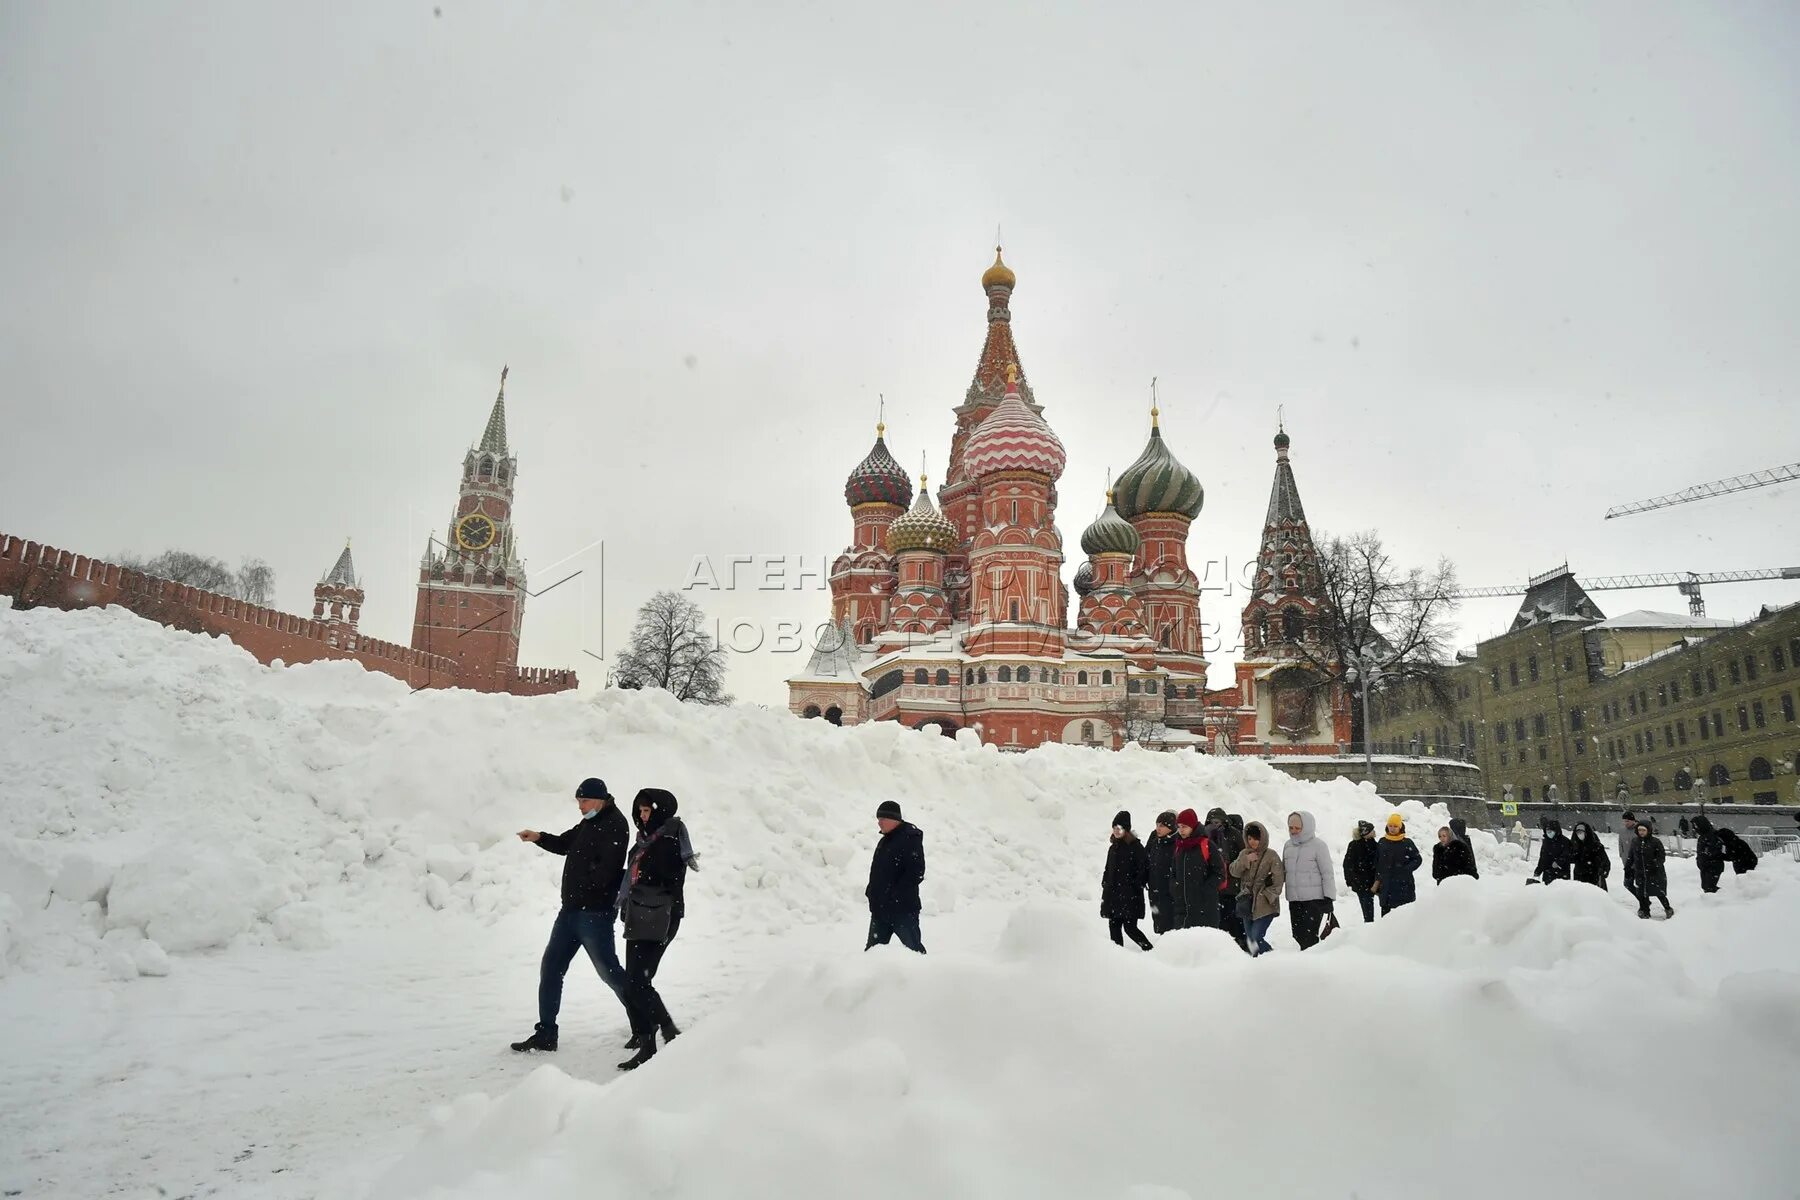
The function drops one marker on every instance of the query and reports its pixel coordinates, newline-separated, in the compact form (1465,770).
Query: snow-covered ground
(267,933)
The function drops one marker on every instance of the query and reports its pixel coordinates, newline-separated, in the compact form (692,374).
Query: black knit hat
(1166,818)
(1122,820)
(888,810)
(592,789)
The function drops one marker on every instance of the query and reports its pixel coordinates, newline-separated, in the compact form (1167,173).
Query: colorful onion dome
(878,479)
(1084,578)
(1110,533)
(921,527)
(1013,438)
(998,275)
(1157,482)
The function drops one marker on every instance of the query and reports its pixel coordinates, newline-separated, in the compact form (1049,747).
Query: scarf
(1397,837)
(637,855)
(1197,842)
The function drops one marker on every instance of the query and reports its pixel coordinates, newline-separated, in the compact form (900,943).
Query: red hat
(1188,817)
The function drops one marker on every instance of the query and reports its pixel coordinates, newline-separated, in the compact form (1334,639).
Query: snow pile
(1503,1041)
(167,787)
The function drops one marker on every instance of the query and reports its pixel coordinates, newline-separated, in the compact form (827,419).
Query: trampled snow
(267,932)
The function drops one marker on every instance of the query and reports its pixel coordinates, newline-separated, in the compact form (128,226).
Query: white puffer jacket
(1311,875)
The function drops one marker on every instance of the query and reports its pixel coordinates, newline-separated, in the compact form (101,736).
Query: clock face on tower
(475,532)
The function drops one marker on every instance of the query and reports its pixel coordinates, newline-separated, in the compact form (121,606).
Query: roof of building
(836,657)
(1555,594)
(1644,618)
(1284,496)
(1014,438)
(1109,534)
(878,479)
(343,572)
(493,438)
(922,527)
(1157,482)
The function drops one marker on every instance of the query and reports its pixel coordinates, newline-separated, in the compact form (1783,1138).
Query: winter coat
(1361,868)
(1588,861)
(593,858)
(1194,883)
(1122,884)
(1737,852)
(666,825)
(1227,841)
(1159,858)
(1553,858)
(1396,859)
(1311,875)
(1261,879)
(1454,859)
(1644,869)
(896,872)
(1459,829)
(1709,848)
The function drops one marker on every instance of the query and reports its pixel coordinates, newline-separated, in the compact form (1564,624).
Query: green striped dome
(1157,482)
(1109,534)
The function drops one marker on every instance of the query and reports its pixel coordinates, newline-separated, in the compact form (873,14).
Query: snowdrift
(167,788)
(1496,1043)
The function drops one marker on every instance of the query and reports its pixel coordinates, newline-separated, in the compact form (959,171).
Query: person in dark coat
(1227,841)
(653,906)
(1396,858)
(1627,836)
(1122,883)
(1644,871)
(1362,867)
(1709,854)
(1159,855)
(895,873)
(1459,829)
(1451,856)
(1194,883)
(593,851)
(1553,857)
(1588,862)
(1737,852)
(1684,829)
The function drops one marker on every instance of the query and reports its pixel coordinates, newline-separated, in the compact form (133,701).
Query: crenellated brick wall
(36,575)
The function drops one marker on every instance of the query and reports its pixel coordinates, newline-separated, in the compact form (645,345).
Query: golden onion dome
(998,275)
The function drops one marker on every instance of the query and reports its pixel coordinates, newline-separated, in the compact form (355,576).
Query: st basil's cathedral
(954,615)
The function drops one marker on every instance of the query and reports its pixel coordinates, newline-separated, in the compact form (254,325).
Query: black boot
(646,1051)
(1667,911)
(544,1039)
(669,1032)
(634,1043)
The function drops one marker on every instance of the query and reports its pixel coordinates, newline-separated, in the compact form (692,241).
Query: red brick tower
(863,578)
(959,499)
(919,540)
(1161,498)
(471,585)
(337,600)
(1016,597)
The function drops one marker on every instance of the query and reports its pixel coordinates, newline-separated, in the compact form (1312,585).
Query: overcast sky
(1504,266)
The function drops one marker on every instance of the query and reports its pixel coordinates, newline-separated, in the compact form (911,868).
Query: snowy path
(272,1072)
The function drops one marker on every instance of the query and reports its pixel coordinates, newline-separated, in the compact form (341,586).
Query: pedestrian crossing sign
(1509,809)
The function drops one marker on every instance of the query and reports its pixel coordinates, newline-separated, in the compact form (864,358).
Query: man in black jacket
(895,874)
(1362,867)
(1709,854)
(593,868)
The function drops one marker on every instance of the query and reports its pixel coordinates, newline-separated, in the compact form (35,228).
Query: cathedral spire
(493,438)
(998,352)
(343,572)
(1284,496)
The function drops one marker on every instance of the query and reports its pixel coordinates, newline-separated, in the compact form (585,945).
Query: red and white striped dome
(1013,438)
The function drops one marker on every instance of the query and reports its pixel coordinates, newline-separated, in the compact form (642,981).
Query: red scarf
(637,854)
(1197,842)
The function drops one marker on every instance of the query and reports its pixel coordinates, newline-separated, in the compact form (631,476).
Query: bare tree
(671,650)
(1137,715)
(254,581)
(1392,621)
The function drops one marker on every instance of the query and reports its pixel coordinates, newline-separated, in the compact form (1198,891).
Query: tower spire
(1154,412)
(493,438)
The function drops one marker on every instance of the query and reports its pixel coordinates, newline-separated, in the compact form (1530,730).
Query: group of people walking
(1226,874)
(608,878)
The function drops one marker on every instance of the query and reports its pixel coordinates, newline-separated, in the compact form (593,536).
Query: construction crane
(1686,582)
(1705,491)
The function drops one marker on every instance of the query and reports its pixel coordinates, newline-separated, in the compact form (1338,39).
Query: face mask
(1581,833)
(588,816)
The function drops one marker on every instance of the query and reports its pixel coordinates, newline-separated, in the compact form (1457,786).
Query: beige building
(1651,703)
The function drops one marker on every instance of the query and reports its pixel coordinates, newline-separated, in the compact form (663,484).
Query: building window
(812,710)
(1631,705)
(1644,699)
(1732,669)
(1081,677)
(1505,757)
(1684,780)
(1776,658)
(1577,722)
(1583,791)
(1787,706)
(1694,678)
(1527,796)
(1681,732)
(1651,786)
(1193,693)
(943,677)
(1719,776)
(968,676)
(1015,610)
(1518,729)
(1087,731)
(1743,719)
(1705,733)
(1537,725)
(1500,732)
(1760,770)
(1756,713)
(1494,675)
(1581,745)
(1106,677)
(921,676)
(1718,724)
(1675,689)
(1750,665)
(1712,680)
(1015,512)
(1668,736)
(1543,753)
(1133,686)
(1512,672)
(1637,741)
(1531,668)
(1005,674)
(835,715)
(1150,686)
(980,674)
(1662,696)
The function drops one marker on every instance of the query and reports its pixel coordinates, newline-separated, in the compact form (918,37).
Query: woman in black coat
(1589,861)
(1159,854)
(1396,858)
(1199,866)
(1644,871)
(653,898)
(1122,884)
(1451,857)
(1553,859)
(1362,867)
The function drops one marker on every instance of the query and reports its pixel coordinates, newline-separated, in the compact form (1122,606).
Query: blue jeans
(905,926)
(589,929)
(1257,935)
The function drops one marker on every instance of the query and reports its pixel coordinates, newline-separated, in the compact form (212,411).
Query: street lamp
(1364,672)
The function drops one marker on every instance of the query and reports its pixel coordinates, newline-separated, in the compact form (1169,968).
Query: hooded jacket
(1737,852)
(656,863)
(1361,860)
(1553,858)
(1448,861)
(1459,829)
(1396,859)
(1159,856)
(1122,882)
(1588,861)
(1709,847)
(1194,879)
(896,871)
(1225,839)
(1644,869)
(1260,878)
(1311,875)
